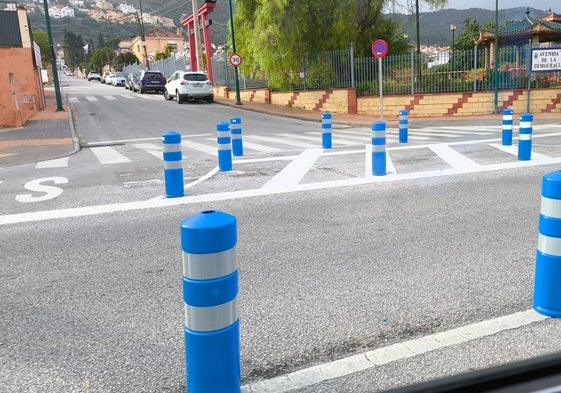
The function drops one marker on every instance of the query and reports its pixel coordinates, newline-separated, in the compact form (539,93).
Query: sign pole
(380,88)
(379,50)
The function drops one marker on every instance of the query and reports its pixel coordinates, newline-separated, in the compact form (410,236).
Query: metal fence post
(326,130)
(236,130)
(210,290)
(224,146)
(173,164)
(547,288)
(507,127)
(403,126)
(379,148)
(525,137)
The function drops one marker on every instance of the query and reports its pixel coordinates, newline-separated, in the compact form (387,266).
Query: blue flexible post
(379,148)
(403,126)
(210,290)
(547,285)
(507,127)
(236,130)
(173,164)
(525,137)
(224,146)
(326,130)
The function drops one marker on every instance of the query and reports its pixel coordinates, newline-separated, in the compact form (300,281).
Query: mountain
(434,26)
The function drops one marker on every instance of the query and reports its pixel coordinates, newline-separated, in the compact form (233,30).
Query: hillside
(434,26)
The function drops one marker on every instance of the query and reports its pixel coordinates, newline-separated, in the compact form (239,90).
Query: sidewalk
(48,134)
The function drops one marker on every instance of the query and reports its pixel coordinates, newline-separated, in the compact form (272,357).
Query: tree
(101,57)
(42,39)
(73,46)
(275,35)
(126,59)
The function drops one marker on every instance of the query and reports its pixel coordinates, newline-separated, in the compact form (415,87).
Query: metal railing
(436,72)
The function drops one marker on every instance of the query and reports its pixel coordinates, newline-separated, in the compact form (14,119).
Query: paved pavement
(50,133)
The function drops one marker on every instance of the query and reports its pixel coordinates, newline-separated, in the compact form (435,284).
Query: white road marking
(454,158)
(316,137)
(151,148)
(127,96)
(378,357)
(73,99)
(110,98)
(295,171)
(107,155)
(37,185)
(91,98)
(513,149)
(281,141)
(200,147)
(55,163)
(390,168)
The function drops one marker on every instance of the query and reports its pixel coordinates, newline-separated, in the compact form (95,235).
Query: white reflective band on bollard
(209,319)
(549,245)
(172,146)
(551,207)
(207,266)
(173,164)
(525,124)
(524,137)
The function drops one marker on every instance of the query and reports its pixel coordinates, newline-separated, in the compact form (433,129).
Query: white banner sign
(546,59)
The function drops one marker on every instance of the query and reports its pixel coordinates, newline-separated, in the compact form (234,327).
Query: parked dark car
(151,81)
(130,81)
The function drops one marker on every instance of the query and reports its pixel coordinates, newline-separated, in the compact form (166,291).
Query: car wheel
(167,96)
(210,99)
(178,97)
(140,90)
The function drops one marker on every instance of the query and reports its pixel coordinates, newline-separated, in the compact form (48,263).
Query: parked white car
(119,79)
(186,85)
(109,77)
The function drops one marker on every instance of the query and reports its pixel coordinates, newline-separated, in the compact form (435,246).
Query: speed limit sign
(235,59)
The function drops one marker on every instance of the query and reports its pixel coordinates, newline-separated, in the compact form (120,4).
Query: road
(333,262)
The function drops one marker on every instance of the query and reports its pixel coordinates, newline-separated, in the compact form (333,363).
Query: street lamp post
(496,59)
(453,28)
(53,59)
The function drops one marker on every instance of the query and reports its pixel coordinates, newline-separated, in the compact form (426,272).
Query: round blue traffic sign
(379,48)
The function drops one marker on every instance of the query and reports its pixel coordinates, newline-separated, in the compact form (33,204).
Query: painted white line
(452,157)
(150,148)
(281,141)
(91,98)
(256,147)
(159,138)
(73,99)
(110,98)
(55,163)
(200,147)
(335,138)
(107,155)
(468,130)
(378,357)
(513,149)
(127,96)
(226,196)
(295,170)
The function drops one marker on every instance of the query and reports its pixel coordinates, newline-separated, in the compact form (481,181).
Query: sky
(555,5)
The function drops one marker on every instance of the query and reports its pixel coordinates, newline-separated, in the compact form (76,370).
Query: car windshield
(153,75)
(195,77)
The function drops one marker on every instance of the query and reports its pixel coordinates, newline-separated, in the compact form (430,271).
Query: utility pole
(53,58)
(238,98)
(142,36)
(196,33)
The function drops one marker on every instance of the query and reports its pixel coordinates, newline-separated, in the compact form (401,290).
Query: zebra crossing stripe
(107,155)
(452,157)
(110,98)
(200,147)
(260,148)
(150,148)
(91,98)
(73,99)
(127,96)
(295,170)
(281,141)
(55,163)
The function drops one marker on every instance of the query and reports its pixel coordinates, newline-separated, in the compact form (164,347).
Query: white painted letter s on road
(50,192)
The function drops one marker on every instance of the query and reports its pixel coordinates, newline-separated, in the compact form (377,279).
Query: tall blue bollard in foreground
(236,130)
(378,148)
(224,146)
(173,164)
(525,137)
(403,126)
(326,130)
(210,290)
(507,127)
(547,285)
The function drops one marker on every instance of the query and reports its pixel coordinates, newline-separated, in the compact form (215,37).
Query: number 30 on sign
(235,59)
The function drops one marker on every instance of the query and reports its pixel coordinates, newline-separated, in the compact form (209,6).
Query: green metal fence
(434,72)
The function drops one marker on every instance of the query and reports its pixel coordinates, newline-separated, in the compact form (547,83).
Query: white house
(77,3)
(126,8)
(61,11)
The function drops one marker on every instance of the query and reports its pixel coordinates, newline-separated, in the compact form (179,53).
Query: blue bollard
(326,130)
(210,290)
(403,126)
(525,137)
(224,146)
(507,127)
(236,130)
(379,148)
(173,165)
(547,284)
